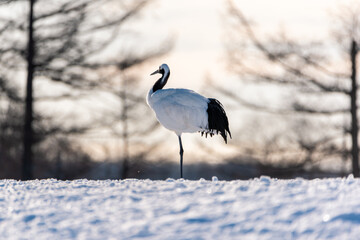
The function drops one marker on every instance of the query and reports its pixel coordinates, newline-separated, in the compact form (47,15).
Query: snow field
(261,208)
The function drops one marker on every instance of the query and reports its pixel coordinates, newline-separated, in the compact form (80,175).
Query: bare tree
(308,68)
(27,172)
(65,43)
(127,119)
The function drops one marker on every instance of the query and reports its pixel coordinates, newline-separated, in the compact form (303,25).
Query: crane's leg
(181,157)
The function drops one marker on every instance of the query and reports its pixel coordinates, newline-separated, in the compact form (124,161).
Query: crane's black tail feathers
(217,120)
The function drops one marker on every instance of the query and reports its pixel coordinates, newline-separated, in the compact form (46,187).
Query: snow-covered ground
(261,208)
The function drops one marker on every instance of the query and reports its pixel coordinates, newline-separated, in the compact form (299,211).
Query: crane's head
(163,69)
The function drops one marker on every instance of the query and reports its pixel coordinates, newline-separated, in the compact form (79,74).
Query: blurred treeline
(80,66)
(77,58)
(304,93)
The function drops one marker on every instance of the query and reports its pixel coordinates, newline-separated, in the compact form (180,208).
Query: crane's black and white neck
(165,74)
(185,111)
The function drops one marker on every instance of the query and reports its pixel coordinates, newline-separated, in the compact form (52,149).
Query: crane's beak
(157,71)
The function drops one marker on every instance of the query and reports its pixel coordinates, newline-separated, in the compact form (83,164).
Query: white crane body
(180,110)
(185,111)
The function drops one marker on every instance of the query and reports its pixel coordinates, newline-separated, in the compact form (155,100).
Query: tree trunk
(27,171)
(125,136)
(354,121)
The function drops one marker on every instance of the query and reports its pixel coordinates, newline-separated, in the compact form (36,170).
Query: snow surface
(261,208)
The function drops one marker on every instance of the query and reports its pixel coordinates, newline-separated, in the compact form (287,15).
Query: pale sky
(199,30)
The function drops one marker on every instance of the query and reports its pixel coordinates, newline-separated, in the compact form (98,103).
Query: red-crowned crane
(185,111)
